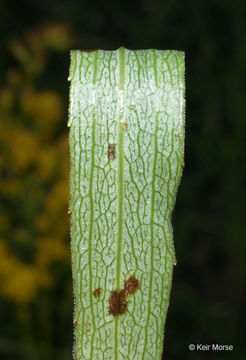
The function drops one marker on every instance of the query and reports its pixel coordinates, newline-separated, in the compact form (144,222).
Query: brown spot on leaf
(97,292)
(183,165)
(118,301)
(111,152)
(131,285)
(124,125)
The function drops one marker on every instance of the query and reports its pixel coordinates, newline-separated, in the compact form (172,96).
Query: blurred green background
(208,294)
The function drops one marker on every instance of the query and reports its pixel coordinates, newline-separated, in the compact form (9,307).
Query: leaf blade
(134,99)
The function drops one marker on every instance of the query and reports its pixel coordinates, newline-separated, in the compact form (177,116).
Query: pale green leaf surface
(121,208)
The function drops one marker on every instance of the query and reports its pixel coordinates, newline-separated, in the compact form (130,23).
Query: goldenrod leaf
(126,144)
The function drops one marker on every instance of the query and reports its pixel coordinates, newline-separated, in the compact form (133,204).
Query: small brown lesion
(111,152)
(118,301)
(97,292)
(183,165)
(124,126)
(131,285)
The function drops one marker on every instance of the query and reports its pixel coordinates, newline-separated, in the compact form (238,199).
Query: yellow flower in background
(46,108)
(34,165)
(19,281)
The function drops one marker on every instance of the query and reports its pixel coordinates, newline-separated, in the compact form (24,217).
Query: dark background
(208,293)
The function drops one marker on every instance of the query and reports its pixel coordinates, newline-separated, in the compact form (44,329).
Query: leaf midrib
(120,185)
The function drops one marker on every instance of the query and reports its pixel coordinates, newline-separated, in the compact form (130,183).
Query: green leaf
(126,142)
